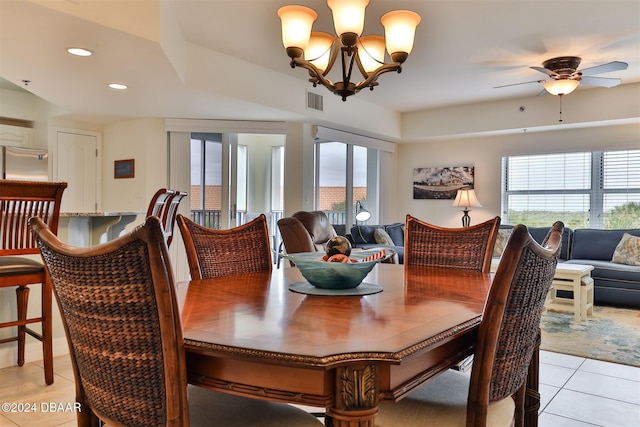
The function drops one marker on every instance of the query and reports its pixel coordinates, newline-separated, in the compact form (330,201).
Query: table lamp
(466,199)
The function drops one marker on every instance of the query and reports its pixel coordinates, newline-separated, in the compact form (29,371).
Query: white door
(77,164)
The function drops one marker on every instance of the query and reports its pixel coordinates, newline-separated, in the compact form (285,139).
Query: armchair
(305,232)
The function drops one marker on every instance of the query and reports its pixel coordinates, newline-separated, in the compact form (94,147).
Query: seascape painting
(441,182)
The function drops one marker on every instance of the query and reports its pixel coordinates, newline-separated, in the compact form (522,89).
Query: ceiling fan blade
(545,71)
(600,81)
(517,84)
(605,68)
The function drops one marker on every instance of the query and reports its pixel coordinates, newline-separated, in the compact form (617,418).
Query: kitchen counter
(92,228)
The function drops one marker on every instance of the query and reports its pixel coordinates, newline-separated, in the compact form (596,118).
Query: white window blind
(585,189)
(620,184)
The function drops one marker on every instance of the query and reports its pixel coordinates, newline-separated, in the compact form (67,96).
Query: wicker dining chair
(467,248)
(123,327)
(20,200)
(164,204)
(493,395)
(158,202)
(216,253)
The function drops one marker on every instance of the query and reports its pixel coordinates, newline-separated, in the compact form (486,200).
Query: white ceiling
(463,49)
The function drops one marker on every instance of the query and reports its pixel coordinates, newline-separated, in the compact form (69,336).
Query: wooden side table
(575,278)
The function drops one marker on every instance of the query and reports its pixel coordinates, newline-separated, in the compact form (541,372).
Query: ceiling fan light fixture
(561,87)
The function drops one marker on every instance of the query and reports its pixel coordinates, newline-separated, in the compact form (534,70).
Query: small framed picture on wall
(124,168)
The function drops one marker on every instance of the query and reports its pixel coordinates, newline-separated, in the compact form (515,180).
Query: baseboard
(32,352)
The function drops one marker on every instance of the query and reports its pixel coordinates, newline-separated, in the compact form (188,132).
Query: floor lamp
(362,214)
(466,199)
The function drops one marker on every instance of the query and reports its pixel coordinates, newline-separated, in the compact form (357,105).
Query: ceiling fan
(564,76)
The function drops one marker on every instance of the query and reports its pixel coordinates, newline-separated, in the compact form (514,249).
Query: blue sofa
(614,283)
(363,236)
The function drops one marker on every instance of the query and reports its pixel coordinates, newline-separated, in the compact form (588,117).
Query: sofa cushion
(627,275)
(597,244)
(382,237)
(628,250)
(396,232)
(363,233)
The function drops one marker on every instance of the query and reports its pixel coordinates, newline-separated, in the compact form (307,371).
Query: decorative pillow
(382,238)
(396,232)
(628,250)
(501,241)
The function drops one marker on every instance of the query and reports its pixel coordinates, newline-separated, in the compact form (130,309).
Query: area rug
(611,334)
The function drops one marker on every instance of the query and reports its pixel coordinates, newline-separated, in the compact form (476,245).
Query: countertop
(99,214)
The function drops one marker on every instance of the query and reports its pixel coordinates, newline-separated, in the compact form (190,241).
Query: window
(206,179)
(344,173)
(210,178)
(599,189)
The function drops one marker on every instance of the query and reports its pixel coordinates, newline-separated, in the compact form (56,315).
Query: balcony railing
(206,218)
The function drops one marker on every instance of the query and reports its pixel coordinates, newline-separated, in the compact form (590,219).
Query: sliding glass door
(346,176)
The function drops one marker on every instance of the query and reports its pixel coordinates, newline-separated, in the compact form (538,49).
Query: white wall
(485,153)
(145,141)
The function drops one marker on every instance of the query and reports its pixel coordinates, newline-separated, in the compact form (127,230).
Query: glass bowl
(337,275)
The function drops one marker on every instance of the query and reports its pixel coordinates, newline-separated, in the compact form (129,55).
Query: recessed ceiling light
(118,86)
(78,51)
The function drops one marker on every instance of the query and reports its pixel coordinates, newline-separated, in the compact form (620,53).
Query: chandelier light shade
(561,87)
(348,16)
(317,52)
(296,26)
(466,199)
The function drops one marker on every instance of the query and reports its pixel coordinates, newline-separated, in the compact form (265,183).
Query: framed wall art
(124,168)
(441,182)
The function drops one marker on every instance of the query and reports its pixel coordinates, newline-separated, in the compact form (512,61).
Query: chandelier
(317,52)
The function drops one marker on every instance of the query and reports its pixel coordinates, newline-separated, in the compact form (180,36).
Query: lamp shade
(348,15)
(361,213)
(318,51)
(561,87)
(372,52)
(466,199)
(400,30)
(296,25)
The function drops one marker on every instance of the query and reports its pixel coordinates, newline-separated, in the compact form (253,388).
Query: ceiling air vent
(314,101)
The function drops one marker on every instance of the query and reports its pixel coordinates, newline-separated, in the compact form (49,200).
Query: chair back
(216,253)
(467,248)
(158,202)
(317,225)
(295,236)
(19,201)
(164,204)
(121,318)
(306,231)
(510,326)
(169,215)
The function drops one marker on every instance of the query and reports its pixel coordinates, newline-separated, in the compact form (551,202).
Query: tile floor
(576,392)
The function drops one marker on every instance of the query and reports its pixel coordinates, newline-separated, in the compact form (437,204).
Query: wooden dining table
(251,335)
